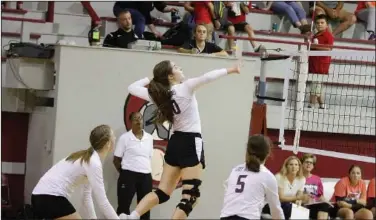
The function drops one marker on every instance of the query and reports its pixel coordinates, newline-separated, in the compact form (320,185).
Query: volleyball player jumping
(251,185)
(50,196)
(176,102)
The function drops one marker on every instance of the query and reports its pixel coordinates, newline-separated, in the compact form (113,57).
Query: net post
(285,93)
(301,81)
(259,109)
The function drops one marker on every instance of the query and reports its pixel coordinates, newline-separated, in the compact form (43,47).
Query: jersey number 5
(240,183)
(175,107)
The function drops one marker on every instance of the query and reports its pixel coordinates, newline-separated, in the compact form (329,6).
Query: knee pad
(162,196)
(187,204)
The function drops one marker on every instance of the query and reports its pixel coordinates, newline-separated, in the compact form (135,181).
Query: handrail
(94,16)
(50,14)
(293,42)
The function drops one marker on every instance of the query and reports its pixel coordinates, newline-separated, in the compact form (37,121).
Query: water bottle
(274,27)
(94,36)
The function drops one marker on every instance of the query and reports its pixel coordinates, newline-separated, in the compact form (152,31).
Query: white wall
(92,91)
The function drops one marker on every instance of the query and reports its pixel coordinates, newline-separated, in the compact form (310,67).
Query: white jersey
(247,192)
(64,176)
(186,114)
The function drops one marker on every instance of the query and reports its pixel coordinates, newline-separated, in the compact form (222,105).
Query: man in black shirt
(124,35)
(199,44)
(140,11)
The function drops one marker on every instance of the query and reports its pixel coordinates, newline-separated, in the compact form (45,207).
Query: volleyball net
(339,102)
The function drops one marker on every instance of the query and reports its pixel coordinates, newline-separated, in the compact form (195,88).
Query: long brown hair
(258,148)
(99,137)
(160,93)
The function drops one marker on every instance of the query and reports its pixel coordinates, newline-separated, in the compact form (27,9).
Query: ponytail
(253,163)
(83,155)
(161,96)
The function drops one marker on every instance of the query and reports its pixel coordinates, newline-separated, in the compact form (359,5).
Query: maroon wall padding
(258,119)
(328,167)
(14,131)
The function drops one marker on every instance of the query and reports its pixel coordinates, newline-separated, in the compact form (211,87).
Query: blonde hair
(99,137)
(283,171)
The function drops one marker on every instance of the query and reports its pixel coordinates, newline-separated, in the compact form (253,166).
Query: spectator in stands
(293,9)
(199,45)
(140,11)
(203,13)
(335,11)
(236,21)
(350,195)
(319,64)
(124,35)
(290,186)
(371,197)
(314,188)
(365,11)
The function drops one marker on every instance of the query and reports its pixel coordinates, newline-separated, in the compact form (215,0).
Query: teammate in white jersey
(176,102)
(251,185)
(50,196)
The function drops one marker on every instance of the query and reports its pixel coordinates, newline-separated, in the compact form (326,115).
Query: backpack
(177,35)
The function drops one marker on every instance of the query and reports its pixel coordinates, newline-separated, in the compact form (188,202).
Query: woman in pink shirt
(314,188)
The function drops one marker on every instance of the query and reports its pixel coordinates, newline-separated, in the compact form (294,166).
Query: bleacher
(33,18)
(72,23)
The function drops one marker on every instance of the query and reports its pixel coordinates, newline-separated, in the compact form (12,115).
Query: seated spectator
(140,11)
(199,45)
(236,21)
(203,13)
(350,196)
(290,186)
(334,10)
(124,35)
(314,188)
(365,11)
(319,64)
(371,197)
(294,10)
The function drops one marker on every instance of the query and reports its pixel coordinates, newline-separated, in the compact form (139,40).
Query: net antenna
(349,93)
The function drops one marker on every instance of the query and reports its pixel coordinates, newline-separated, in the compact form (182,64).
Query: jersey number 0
(240,183)
(175,107)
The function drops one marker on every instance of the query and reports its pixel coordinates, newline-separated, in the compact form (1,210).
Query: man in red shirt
(236,21)
(322,40)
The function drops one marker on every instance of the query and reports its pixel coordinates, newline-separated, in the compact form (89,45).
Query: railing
(50,11)
(95,20)
(294,43)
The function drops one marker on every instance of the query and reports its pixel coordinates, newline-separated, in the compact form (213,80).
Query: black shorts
(334,211)
(51,207)
(233,217)
(316,208)
(185,149)
(238,27)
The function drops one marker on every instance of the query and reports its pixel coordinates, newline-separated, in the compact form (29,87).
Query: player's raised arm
(138,89)
(208,77)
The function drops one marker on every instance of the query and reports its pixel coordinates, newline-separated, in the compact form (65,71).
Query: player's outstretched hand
(235,69)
